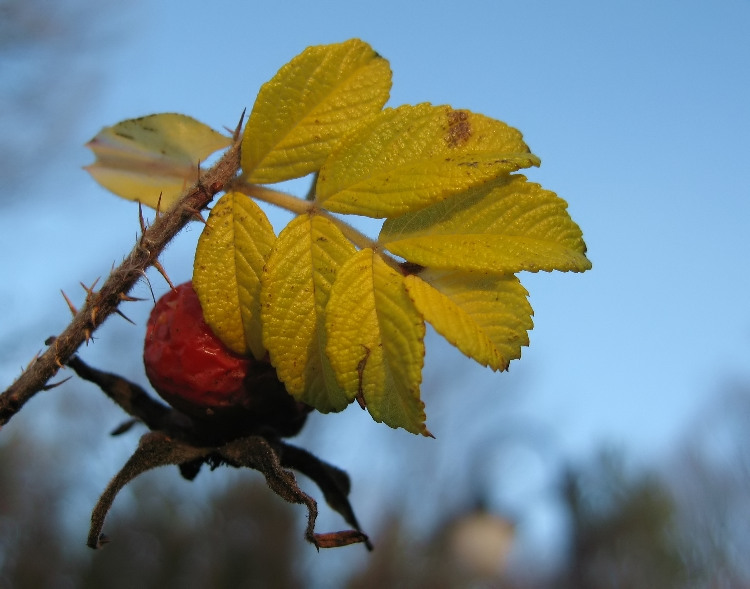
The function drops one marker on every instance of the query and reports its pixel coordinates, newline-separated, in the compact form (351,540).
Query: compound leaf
(229,259)
(305,109)
(153,157)
(503,229)
(485,316)
(376,341)
(412,156)
(296,285)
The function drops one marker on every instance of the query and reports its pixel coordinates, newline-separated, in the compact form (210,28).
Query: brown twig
(101,304)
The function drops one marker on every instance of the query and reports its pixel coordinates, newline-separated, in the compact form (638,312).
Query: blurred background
(616,453)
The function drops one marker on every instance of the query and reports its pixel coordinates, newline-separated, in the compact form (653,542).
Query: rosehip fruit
(197,374)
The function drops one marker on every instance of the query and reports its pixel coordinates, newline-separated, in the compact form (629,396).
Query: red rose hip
(196,373)
(185,362)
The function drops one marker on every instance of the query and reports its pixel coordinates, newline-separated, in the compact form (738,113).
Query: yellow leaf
(412,156)
(486,317)
(497,228)
(302,113)
(229,259)
(296,284)
(141,159)
(376,341)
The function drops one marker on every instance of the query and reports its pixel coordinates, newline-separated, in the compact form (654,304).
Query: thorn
(141,220)
(49,387)
(361,400)
(129,299)
(157,264)
(158,205)
(94,311)
(90,289)
(121,314)
(198,182)
(57,356)
(195,214)
(238,130)
(71,306)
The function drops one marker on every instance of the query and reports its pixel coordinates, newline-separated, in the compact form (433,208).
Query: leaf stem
(299,206)
(275,197)
(360,239)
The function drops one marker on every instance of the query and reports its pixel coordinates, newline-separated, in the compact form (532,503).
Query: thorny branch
(101,304)
(176,438)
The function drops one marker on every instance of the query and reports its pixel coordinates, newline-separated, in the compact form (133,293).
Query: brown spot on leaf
(459,128)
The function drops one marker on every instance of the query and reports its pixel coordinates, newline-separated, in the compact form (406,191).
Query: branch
(100,305)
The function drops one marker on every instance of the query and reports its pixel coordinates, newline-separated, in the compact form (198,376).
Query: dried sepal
(159,449)
(155,449)
(177,439)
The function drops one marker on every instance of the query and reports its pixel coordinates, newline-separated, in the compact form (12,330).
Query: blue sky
(638,110)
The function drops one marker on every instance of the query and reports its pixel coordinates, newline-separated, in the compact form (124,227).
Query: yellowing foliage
(342,316)
(376,341)
(152,159)
(297,281)
(412,156)
(229,260)
(485,316)
(313,101)
(503,228)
